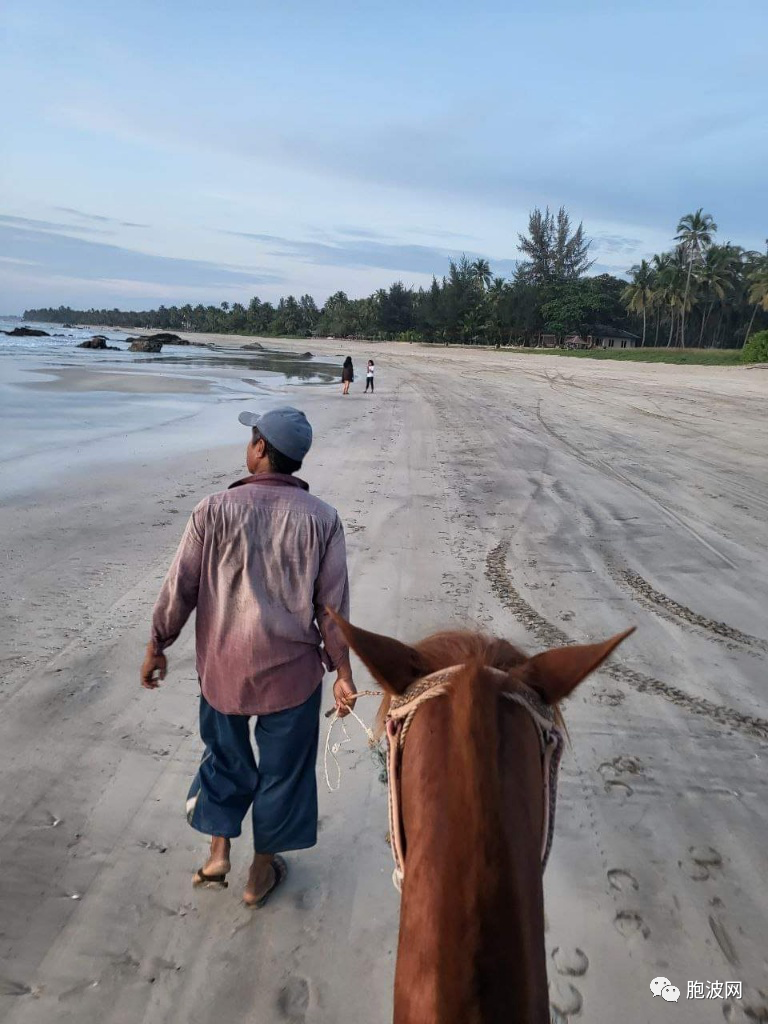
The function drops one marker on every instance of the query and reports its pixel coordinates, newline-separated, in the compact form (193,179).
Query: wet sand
(136,383)
(543,499)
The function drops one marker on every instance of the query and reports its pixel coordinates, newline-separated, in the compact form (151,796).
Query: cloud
(359,233)
(87,260)
(47,225)
(368,253)
(85,216)
(19,263)
(81,214)
(615,244)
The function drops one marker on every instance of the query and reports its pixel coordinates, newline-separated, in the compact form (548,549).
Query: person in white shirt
(369,376)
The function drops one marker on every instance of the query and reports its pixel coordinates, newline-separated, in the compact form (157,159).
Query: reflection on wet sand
(150,375)
(286,363)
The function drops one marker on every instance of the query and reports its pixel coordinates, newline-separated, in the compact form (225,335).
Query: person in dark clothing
(347,375)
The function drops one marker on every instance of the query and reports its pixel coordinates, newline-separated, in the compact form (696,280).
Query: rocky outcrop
(255,346)
(98,341)
(167,339)
(145,345)
(26,332)
(305,355)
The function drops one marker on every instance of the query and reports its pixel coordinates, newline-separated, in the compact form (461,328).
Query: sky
(172,151)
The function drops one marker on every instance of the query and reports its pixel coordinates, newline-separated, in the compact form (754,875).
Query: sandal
(205,881)
(280,869)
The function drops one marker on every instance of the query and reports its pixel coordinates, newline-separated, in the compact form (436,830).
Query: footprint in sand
(621,880)
(309,899)
(629,923)
(621,765)
(293,1000)
(704,862)
(618,786)
(564,998)
(573,962)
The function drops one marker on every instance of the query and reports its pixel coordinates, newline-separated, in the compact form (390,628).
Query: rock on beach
(26,332)
(98,341)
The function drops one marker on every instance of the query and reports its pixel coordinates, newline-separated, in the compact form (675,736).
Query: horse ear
(556,673)
(393,665)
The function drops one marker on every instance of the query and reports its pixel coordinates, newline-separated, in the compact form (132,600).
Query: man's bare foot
(261,878)
(217,866)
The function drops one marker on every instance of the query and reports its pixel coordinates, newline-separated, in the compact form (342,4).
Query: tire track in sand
(596,463)
(668,608)
(498,576)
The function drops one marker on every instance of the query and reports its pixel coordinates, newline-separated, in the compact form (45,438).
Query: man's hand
(153,669)
(344,691)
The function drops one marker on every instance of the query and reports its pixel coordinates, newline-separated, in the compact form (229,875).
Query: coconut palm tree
(496,292)
(659,269)
(481,270)
(670,275)
(758,289)
(718,276)
(638,296)
(694,233)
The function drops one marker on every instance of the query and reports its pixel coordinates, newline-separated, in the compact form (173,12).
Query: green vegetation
(698,295)
(756,349)
(698,356)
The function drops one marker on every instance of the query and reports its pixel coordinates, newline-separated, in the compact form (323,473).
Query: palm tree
(670,276)
(718,276)
(481,270)
(659,269)
(638,296)
(694,233)
(496,292)
(758,290)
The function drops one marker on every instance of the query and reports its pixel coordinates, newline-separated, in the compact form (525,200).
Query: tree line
(698,294)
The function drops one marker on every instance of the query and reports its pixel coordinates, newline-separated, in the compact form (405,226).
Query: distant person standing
(369,376)
(347,375)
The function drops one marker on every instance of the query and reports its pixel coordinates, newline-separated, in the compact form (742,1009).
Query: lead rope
(334,749)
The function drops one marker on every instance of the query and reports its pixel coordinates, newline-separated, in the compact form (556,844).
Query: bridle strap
(399,718)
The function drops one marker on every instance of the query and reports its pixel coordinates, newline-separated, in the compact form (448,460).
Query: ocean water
(64,409)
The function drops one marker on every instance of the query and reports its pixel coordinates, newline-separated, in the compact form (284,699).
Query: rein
(399,718)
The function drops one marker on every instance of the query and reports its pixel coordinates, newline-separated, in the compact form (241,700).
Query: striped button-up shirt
(260,561)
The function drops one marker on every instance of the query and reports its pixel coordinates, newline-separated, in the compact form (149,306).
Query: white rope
(334,750)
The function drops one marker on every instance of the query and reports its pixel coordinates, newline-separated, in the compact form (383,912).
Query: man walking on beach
(262,562)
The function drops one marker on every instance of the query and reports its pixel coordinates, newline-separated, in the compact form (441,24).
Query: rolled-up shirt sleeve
(178,594)
(332,591)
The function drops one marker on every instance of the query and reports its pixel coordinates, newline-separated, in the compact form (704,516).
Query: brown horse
(472,807)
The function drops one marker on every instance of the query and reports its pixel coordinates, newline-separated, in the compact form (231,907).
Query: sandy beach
(542,499)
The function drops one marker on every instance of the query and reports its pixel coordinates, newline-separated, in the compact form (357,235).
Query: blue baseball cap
(286,428)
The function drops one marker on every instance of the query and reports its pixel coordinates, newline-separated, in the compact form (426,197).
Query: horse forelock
(455,647)
(441,650)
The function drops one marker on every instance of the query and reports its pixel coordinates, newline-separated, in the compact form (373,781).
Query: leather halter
(399,718)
